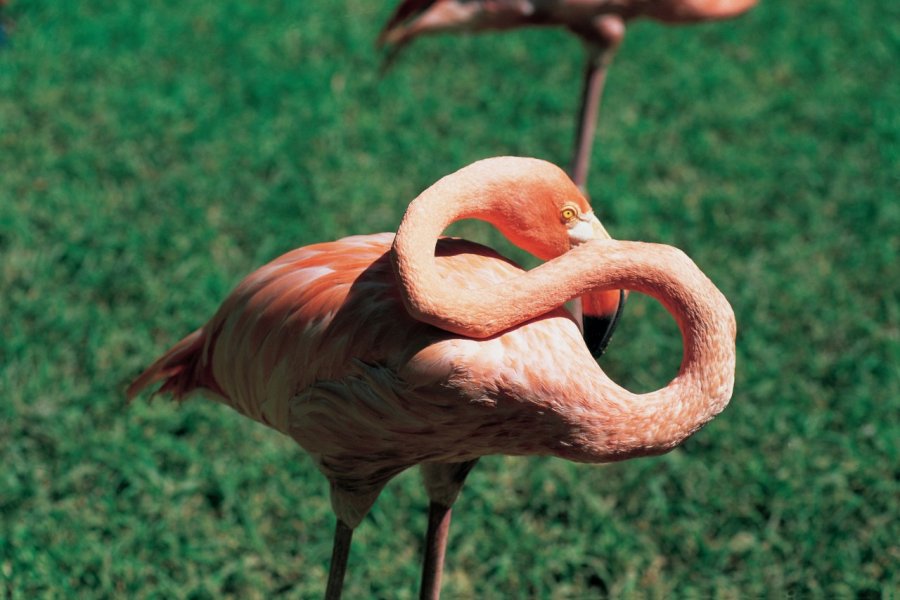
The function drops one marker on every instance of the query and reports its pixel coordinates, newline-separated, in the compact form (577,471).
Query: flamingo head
(547,215)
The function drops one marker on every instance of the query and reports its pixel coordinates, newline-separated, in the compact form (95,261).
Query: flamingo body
(379,352)
(318,345)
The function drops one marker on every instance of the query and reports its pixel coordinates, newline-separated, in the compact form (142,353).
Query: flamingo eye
(568,213)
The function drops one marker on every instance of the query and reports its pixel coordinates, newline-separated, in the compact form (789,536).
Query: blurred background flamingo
(332,346)
(600,24)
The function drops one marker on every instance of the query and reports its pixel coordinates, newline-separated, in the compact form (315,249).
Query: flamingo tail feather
(179,369)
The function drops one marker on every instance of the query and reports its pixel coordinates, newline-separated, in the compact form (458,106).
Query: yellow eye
(568,213)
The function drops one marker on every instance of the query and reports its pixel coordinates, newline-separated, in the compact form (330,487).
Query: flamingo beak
(601,310)
(598,228)
(600,315)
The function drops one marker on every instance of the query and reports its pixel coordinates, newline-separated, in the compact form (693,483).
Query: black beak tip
(598,331)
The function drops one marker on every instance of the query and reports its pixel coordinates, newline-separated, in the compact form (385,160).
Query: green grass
(151,154)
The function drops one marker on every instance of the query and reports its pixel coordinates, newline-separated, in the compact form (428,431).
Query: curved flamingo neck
(621,424)
(495,190)
(450,199)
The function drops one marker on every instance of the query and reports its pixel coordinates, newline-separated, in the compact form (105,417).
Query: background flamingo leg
(603,41)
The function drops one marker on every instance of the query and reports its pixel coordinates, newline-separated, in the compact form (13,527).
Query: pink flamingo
(433,351)
(599,23)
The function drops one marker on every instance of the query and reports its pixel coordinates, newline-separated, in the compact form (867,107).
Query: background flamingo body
(417,17)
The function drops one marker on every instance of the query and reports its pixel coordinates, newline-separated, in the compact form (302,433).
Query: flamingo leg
(443,481)
(603,42)
(343,535)
(435,549)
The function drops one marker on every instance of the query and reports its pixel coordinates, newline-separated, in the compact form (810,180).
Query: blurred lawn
(151,154)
